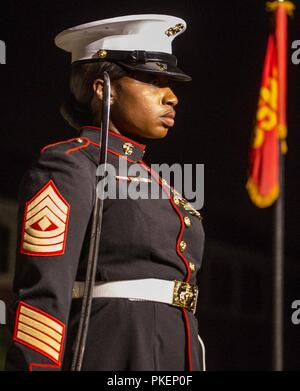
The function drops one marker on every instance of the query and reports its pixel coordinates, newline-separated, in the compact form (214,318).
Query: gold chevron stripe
(46,212)
(41,336)
(42,249)
(49,191)
(40,326)
(41,318)
(45,224)
(43,241)
(45,234)
(47,202)
(38,344)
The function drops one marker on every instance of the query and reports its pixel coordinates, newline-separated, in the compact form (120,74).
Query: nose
(169,98)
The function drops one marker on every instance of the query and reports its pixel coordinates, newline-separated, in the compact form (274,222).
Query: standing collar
(117,143)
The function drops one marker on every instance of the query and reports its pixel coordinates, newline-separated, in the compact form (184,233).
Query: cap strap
(132,57)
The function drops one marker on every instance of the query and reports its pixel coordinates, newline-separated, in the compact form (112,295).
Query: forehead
(149,77)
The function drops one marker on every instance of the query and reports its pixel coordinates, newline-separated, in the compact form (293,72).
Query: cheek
(149,102)
(138,107)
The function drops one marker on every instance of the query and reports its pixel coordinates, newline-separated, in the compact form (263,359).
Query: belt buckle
(185,295)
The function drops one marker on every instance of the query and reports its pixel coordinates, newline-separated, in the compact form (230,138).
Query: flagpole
(281,8)
(278,273)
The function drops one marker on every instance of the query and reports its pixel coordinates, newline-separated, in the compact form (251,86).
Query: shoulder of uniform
(66,146)
(58,159)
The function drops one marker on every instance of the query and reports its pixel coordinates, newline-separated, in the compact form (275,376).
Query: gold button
(176,200)
(182,246)
(192,267)
(128,148)
(102,53)
(187,221)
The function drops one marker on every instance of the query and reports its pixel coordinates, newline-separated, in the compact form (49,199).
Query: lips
(170,114)
(168,118)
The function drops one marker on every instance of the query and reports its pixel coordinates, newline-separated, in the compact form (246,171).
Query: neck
(112,128)
(134,137)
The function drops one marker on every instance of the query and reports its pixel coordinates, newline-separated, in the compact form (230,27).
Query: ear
(98,90)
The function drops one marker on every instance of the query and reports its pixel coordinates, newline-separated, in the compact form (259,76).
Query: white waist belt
(177,293)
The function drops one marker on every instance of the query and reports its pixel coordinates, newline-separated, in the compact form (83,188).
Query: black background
(223,49)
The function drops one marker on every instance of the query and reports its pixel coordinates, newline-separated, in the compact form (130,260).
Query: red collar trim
(142,146)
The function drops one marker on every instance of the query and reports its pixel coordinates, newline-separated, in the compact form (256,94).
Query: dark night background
(223,49)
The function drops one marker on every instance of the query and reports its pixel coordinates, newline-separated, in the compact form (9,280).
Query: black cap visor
(143,61)
(160,68)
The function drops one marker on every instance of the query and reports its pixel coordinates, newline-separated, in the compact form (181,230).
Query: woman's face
(143,104)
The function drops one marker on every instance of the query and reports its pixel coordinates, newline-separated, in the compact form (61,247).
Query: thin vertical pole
(281,21)
(278,275)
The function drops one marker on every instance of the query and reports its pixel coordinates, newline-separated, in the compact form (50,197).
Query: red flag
(263,183)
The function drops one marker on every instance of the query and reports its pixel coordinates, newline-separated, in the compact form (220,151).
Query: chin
(161,132)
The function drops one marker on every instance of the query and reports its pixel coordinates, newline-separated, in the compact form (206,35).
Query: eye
(155,82)
(159,81)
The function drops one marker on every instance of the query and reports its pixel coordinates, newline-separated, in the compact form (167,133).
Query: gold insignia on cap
(162,66)
(174,30)
(128,148)
(102,53)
